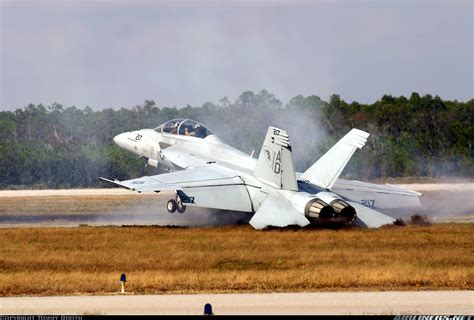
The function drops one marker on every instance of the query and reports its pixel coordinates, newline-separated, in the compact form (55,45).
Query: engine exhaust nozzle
(318,209)
(343,211)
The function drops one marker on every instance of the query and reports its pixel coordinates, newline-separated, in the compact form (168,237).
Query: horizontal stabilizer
(276,211)
(370,218)
(328,168)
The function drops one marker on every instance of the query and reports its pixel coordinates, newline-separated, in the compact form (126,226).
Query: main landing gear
(175,205)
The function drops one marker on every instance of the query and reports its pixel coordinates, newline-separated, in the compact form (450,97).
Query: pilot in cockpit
(198,131)
(175,129)
(190,132)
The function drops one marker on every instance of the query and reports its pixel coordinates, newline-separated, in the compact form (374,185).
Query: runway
(324,303)
(113,206)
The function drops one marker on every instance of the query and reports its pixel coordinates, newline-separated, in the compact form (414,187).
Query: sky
(114,54)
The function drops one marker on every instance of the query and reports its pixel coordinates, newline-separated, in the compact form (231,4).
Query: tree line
(52,146)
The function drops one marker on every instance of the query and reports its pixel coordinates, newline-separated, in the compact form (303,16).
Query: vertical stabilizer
(275,164)
(327,169)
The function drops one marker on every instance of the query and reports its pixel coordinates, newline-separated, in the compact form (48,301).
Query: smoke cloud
(245,128)
(306,133)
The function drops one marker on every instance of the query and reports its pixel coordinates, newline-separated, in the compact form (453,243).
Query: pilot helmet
(197,126)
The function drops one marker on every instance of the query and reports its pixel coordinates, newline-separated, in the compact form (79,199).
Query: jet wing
(378,196)
(197,177)
(209,186)
(367,186)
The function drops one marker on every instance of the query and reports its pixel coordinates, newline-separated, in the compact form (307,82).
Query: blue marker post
(207,309)
(123,279)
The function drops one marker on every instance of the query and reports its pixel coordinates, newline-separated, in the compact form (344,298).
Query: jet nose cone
(121,139)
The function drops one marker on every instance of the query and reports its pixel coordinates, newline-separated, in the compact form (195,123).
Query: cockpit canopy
(184,127)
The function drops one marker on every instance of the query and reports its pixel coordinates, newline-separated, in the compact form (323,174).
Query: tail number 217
(368,203)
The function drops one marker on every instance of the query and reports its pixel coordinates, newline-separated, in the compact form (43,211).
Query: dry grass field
(90,260)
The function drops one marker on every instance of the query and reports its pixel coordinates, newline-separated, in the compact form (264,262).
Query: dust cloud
(157,214)
(127,213)
(447,200)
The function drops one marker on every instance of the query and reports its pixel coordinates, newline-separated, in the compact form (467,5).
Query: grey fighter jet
(219,176)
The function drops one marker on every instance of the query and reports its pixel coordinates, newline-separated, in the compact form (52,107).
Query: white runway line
(327,303)
(450,187)
(64,192)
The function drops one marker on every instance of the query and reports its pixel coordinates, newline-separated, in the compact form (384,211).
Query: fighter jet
(206,172)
